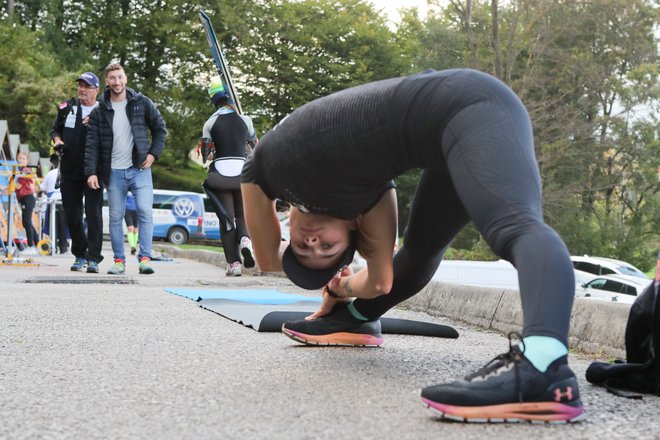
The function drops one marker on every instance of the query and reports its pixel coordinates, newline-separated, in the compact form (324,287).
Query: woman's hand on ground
(328,302)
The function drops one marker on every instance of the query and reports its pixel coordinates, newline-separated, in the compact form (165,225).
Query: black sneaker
(338,327)
(510,389)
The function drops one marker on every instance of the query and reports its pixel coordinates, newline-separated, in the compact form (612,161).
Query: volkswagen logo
(184,207)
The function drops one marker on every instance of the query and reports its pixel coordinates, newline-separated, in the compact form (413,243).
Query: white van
(178,215)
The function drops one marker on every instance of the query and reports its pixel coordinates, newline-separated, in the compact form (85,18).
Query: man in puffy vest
(68,134)
(126,136)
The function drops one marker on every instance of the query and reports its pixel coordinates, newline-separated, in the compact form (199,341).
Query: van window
(162,201)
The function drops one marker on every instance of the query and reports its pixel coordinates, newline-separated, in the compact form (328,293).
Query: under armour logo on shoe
(568,394)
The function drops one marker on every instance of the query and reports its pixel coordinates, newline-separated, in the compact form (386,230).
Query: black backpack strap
(219,209)
(614,386)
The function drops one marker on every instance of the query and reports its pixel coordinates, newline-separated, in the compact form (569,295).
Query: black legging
(27,208)
(491,178)
(228,192)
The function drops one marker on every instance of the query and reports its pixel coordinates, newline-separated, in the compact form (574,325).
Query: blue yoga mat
(270,296)
(270,317)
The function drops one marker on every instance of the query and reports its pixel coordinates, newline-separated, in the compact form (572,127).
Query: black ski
(220,61)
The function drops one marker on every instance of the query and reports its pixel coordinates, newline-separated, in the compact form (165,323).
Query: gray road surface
(87,361)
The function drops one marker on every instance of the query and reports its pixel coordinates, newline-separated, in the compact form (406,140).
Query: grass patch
(182,178)
(204,247)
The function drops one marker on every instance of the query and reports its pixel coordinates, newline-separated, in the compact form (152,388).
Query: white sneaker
(29,251)
(235,269)
(245,248)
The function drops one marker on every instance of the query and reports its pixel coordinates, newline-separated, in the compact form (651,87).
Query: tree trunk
(472,44)
(496,38)
(466,12)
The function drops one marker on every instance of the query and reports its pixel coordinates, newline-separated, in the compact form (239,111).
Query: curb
(210,257)
(201,255)
(597,327)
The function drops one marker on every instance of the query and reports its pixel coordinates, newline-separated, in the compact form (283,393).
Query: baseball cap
(89,78)
(314,279)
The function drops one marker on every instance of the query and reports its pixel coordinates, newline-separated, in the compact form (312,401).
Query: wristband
(327,290)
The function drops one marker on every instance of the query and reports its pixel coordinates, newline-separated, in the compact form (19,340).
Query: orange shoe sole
(338,339)
(534,412)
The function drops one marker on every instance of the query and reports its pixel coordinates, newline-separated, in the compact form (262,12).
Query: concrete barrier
(597,327)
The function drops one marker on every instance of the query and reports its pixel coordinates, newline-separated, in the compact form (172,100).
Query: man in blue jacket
(120,155)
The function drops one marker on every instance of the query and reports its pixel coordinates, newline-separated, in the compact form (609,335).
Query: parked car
(618,288)
(605,266)
(177,215)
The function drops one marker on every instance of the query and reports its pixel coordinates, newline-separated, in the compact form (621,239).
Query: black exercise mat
(270,317)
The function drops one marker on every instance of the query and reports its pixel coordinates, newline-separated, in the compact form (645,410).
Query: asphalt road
(127,361)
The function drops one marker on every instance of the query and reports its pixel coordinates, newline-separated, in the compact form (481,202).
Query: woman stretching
(334,160)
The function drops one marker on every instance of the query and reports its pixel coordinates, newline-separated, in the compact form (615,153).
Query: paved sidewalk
(127,360)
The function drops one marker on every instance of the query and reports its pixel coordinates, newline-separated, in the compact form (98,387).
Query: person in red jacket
(25,195)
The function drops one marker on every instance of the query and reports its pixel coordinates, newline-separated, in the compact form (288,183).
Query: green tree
(592,144)
(30,85)
(309,49)
(587,72)
(581,69)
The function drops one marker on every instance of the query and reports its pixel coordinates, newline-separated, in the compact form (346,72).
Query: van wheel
(177,235)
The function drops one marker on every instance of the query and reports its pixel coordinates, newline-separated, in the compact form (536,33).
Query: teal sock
(541,351)
(356,314)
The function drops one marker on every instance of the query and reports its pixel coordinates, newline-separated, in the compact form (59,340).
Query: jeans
(138,182)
